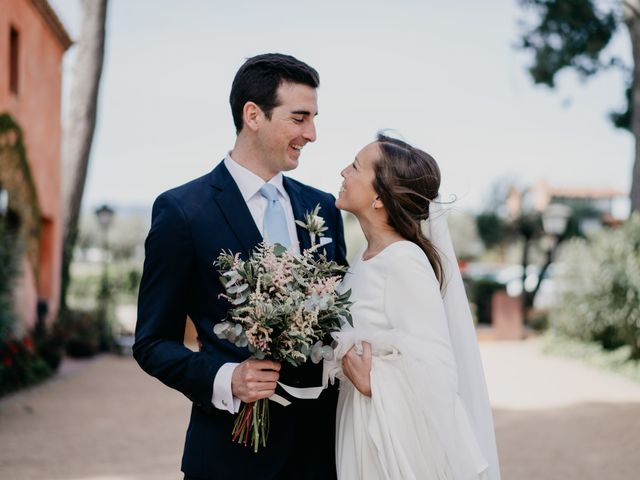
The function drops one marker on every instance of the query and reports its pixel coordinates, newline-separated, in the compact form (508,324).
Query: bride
(413,401)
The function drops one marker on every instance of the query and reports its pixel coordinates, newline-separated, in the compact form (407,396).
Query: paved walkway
(560,419)
(106,420)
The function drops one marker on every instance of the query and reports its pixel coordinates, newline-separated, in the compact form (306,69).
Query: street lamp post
(105,216)
(528,227)
(105,219)
(555,219)
(554,223)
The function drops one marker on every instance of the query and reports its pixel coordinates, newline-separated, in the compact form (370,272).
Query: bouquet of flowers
(284,307)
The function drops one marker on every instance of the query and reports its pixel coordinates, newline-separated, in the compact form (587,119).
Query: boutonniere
(314,224)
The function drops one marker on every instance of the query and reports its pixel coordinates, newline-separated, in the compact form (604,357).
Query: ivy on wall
(9,269)
(16,178)
(20,229)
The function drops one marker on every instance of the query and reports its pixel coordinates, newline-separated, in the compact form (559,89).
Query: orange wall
(36,108)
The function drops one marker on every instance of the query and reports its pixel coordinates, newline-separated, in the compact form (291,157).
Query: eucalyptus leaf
(278,250)
(220,329)
(242,341)
(237,288)
(240,300)
(316,352)
(327,352)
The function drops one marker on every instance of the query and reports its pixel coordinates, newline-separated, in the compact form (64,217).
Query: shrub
(538,320)
(600,296)
(85,333)
(21,365)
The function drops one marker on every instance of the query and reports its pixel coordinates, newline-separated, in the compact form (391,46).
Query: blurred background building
(32,44)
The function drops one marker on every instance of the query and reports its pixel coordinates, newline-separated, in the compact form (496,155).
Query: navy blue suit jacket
(191,225)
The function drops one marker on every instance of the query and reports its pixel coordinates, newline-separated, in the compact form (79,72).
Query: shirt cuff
(222,397)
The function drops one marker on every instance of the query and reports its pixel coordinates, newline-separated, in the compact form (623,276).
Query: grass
(616,361)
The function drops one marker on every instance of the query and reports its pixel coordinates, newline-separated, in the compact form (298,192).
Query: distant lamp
(4,201)
(555,218)
(105,216)
(590,225)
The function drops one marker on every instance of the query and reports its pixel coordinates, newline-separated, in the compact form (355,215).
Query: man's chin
(290,164)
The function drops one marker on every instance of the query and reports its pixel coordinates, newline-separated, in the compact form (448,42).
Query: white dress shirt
(249,184)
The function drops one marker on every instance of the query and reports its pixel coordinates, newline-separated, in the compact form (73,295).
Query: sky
(445,76)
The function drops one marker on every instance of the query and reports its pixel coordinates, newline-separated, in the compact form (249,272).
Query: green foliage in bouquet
(600,288)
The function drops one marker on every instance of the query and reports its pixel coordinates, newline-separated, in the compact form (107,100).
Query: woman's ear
(251,114)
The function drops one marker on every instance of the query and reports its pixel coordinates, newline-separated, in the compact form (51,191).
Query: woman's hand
(357,367)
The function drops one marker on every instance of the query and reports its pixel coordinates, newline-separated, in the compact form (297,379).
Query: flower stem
(252,425)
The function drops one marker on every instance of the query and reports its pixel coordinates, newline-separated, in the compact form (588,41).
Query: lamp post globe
(555,218)
(105,216)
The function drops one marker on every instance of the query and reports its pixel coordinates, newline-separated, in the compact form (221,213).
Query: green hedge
(600,288)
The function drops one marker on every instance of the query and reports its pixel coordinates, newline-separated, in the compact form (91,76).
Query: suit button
(224,402)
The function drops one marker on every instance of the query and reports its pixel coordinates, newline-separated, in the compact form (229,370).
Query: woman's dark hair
(407,181)
(258,80)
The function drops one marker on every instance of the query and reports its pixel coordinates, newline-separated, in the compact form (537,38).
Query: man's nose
(310,132)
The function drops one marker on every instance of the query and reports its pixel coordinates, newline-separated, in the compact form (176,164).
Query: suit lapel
(234,208)
(299,207)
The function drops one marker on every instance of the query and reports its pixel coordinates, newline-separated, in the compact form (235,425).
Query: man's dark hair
(258,80)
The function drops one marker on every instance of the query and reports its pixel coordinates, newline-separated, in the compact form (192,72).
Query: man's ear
(251,116)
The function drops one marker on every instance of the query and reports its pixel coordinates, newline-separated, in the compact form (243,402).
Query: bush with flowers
(22,362)
(20,365)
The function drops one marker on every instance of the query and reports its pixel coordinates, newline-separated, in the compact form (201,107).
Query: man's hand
(357,367)
(254,379)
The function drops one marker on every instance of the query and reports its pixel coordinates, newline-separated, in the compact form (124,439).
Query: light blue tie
(275,222)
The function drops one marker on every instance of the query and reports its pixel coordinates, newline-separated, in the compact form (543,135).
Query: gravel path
(105,419)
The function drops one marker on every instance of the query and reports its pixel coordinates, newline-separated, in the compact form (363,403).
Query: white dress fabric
(415,425)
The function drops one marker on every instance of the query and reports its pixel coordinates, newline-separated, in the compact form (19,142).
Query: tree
(574,34)
(493,222)
(80,126)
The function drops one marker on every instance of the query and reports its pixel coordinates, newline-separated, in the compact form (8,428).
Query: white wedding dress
(416,424)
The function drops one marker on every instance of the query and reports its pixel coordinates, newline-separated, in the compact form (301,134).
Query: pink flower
(324,286)
(28,343)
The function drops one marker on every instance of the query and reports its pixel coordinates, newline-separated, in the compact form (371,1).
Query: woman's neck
(379,235)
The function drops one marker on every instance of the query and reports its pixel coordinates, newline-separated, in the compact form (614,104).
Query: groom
(245,198)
